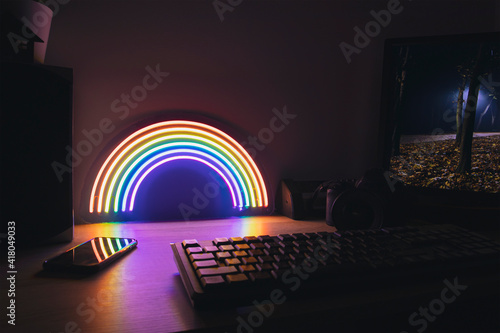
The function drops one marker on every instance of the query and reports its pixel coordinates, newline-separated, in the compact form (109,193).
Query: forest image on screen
(447,115)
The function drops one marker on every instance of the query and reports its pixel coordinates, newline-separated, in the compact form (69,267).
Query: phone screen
(93,253)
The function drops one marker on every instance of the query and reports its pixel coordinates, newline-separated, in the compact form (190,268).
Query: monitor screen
(441,112)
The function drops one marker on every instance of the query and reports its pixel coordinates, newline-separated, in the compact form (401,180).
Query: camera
(367,203)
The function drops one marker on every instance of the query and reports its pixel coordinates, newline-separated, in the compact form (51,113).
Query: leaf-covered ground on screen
(433,164)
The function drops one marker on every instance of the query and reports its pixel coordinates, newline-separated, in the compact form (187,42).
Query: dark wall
(263,55)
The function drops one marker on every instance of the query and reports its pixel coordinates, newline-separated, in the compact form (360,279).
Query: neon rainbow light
(116,185)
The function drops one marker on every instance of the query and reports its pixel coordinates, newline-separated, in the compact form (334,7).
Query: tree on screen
(465,74)
(399,89)
(465,163)
(486,62)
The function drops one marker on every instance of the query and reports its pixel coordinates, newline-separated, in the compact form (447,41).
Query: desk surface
(142,292)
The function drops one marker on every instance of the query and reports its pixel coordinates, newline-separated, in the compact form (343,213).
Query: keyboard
(234,271)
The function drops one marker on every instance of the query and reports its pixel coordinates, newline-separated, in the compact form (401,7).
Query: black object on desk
(36,103)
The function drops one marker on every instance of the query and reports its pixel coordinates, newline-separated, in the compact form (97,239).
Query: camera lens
(360,213)
(354,209)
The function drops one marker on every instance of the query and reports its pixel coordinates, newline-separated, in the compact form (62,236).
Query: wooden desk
(143,292)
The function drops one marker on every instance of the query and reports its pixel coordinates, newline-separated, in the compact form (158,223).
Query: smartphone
(91,256)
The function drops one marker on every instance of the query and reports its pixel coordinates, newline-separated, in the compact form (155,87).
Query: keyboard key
(232,261)
(255,253)
(223,255)
(259,276)
(221,241)
(286,237)
(240,254)
(256,246)
(264,259)
(299,236)
(211,248)
(236,240)
(191,250)
(210,282)
(281,265)
(297,257)
(272,245)
(272,251)
(265,238)
(190,243)
(204,264)
(201,256)
(226,247)
(287,250)
(249,260)
(312,235)
(299,243)
(242,247)
(301,249)
(237,279)
(216,271)
(286,244)
(264,267)
(313,243)
(251,239)
(246,268)
(281,257)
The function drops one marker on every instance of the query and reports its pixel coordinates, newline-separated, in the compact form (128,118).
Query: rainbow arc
(117,183)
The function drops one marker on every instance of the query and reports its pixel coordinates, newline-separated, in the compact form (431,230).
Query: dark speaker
(36,129)
(300,200)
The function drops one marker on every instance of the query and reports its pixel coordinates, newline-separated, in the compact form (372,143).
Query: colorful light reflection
(105,248)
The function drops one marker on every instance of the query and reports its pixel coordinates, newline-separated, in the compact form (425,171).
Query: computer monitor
(440,124)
